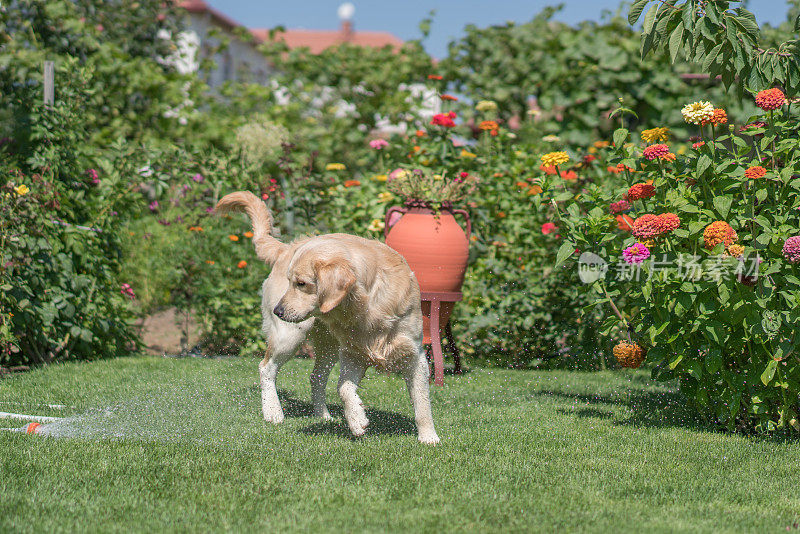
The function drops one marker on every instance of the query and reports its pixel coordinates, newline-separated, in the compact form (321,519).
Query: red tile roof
(319,40)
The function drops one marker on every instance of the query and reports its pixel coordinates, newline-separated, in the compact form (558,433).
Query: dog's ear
(334,280)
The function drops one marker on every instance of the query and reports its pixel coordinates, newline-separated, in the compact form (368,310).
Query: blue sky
(401,17)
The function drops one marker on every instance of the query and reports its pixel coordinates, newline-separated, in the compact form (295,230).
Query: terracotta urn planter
(435,247)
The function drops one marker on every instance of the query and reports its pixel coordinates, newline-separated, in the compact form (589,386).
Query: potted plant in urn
(426,229)
(430,230)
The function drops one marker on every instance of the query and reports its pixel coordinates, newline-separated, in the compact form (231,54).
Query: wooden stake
(49,83)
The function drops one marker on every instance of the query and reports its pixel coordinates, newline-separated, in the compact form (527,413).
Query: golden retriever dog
(355,300)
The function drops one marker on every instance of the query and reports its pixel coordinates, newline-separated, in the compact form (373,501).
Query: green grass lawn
(179,445)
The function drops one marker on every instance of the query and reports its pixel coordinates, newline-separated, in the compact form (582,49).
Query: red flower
(640,191)
(588,158)
(754,173)
(624,222)
(656,151)
(444,119)
(548,170)
(548,228)
(464,174)
(669,222)
(569,175)
(619,207)
(646,226)
(450,98)
(698,144)
(434,76)
(770,99)
(719,117)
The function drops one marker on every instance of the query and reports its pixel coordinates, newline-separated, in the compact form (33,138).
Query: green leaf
(636,11)
(650,18)
(567,249)
(675,41)
(723,205)
(620,136)
(713,360)
(702,164)
(769,372)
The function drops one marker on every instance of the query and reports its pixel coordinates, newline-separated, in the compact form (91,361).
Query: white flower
(697,112)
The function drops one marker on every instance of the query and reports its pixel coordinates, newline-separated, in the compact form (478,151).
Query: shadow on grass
(380,422)
(658,409)
(653,409)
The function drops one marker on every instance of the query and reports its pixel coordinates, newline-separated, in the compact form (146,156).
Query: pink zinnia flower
(636,253)
(378,144)
(444,119)
(619,207)
(770,99)
(127,290)
(93,176)
(198,178)
(153,205)
(656,151)
(791,249)
(548,228)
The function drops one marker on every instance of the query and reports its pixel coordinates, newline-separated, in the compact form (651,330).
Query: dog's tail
(267,247)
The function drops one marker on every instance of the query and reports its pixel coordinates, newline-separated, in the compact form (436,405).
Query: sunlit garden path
(167,444)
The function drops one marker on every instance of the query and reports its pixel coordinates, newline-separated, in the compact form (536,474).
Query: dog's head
(316,286)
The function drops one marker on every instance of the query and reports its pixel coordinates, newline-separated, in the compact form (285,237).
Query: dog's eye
(300,284)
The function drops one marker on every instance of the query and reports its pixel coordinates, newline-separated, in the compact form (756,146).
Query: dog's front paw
(358,422)
(323,413)
(273,416)
(428,438)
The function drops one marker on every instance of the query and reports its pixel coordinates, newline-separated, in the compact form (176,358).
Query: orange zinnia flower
(488,125)
(248,234)
(451,98)
(753,173)
(233,237)
(242,264)
(352,183)
(625,222)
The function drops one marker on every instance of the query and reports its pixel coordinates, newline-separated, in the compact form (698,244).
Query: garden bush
(702,247)
(61,216)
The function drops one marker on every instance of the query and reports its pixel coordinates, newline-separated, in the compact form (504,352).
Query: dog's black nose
(279,311)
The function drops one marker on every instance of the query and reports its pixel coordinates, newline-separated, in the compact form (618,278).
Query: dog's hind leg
(417,380)
(326,352)
(350,375)
(283,341)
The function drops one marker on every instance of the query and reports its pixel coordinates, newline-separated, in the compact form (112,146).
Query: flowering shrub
(707,279)
(61,217)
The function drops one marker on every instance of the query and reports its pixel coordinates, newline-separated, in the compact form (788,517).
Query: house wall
(240,61)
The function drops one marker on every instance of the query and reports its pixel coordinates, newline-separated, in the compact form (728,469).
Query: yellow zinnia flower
(376,225)
(380,177)
(655,135)
(486,105)
(22,190)
(385,196)
(467,154)
(697,112)
(555,158)
(335,167)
